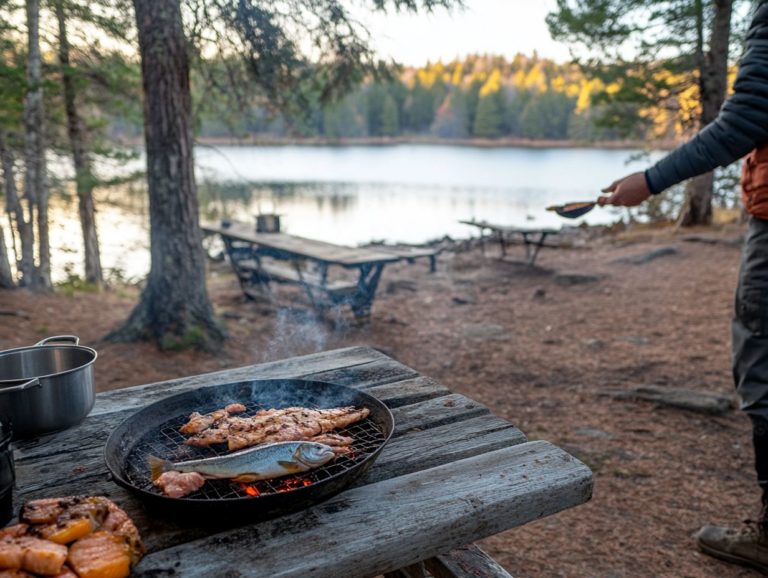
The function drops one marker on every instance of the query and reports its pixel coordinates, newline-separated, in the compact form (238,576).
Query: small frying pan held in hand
(573,210)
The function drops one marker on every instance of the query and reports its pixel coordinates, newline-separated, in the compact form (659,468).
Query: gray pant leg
(750,324)
(750,346)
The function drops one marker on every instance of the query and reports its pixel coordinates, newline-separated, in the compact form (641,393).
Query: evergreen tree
(390,118)
(488,120)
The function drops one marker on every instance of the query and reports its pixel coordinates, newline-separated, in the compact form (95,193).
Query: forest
(478,96)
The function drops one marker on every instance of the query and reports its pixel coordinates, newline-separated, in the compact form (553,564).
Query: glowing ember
(250,490)
(292,484)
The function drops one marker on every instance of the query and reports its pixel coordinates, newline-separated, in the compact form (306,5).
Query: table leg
(537,247)
(367,284)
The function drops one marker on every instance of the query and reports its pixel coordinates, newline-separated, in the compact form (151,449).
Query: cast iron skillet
(154,431)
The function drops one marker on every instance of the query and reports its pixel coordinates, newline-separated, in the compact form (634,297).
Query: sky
(503,27)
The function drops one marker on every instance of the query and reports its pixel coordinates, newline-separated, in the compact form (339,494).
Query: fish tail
(156,467)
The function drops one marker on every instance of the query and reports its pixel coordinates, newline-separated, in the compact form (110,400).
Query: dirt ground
(537,351)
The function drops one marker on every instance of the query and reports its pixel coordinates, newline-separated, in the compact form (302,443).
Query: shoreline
(267,141)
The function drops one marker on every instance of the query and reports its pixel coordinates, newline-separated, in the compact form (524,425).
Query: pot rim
(7,382)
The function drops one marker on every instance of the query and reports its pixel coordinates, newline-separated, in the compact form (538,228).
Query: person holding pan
(741,128)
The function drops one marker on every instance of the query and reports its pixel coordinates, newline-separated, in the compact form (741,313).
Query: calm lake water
(353,195)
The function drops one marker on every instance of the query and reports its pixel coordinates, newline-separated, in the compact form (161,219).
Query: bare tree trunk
(174,308)
(14,208)
(35,178)
(713,80)
(6,275)
(84,178)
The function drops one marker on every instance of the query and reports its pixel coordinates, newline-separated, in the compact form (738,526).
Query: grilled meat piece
(261,419)
(32,554)
(332,439)
(178,484)
(199,422)
(341,445)
(21,574)
(294,426)
(13,531)
(276,425)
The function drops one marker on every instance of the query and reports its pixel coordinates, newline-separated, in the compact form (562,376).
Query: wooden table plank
(303,367)
(302,247)
(409,518)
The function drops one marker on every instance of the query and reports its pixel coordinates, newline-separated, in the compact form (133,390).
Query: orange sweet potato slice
(100,555)
(66,532)
(66,572)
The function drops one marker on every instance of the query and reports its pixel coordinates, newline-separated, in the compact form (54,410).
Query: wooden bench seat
(410,254)
(285,274)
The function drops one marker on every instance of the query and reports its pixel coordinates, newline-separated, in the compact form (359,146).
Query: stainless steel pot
(46,387)
(267,223)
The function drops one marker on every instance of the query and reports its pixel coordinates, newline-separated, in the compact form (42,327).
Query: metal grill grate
(166,442)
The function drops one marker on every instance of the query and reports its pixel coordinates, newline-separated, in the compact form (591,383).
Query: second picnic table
(533,239)
(260,259)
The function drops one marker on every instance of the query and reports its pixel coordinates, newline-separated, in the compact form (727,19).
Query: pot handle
(70,338)
(34,382)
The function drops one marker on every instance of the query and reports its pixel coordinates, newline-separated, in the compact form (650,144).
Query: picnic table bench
(260,259)
(410,254)
(532,239)
(452,473)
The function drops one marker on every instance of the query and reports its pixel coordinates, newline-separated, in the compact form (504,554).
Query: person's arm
(741,126)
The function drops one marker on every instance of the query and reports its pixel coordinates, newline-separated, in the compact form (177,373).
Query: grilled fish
(261,463)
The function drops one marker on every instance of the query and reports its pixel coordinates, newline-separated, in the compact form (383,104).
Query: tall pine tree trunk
(14,208)
(35,178)
(83,168)
(713,80)
(6,275)
(174,308)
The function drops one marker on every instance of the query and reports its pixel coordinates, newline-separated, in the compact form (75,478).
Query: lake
(355,194)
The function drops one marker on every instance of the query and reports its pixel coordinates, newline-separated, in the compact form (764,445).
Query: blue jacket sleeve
(741,126)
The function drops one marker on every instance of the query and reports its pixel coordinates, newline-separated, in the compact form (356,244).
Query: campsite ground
(537,346)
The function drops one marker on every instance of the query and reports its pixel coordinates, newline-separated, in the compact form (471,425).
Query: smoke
(302,331)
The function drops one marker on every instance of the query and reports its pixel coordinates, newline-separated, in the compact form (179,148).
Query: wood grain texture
(467,562)
(305,366)
(302,247)
(392,524)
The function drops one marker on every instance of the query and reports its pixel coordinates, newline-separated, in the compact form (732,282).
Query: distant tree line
(481,96)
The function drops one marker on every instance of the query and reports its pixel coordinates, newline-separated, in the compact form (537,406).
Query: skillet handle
(34,382)
(66,338)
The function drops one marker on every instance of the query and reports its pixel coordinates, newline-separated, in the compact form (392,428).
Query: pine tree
(390,118)
(488,120)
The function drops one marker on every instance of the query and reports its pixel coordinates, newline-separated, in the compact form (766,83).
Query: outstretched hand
(627,192)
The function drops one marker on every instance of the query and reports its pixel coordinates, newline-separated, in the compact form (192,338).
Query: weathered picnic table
(260,259)
(452,473)
(533,239)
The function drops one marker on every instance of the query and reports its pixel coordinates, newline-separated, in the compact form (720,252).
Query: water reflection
(350,195)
